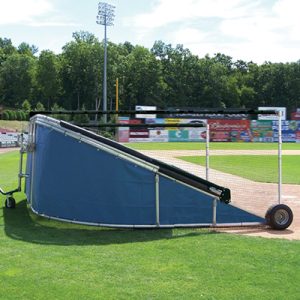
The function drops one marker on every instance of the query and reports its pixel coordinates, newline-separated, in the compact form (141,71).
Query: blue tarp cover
(79,182)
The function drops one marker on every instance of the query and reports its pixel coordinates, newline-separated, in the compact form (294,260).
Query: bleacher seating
(11,139)
(8,140)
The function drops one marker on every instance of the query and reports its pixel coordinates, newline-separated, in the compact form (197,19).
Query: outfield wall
(221,130)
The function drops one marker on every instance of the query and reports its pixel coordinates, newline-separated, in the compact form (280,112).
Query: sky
(251,30)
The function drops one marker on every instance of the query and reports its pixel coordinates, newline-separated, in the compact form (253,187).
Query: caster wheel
(279,216)
(10,202)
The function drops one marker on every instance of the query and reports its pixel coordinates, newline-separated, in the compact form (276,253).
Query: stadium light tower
(106,15)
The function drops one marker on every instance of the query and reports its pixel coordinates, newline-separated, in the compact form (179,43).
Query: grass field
(8,169)
(260,168)
(14,125)
(212,146)
(44,259)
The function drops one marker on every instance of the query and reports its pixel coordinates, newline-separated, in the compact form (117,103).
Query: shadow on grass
(22,224)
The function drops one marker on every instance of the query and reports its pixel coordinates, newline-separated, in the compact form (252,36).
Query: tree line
(164,76)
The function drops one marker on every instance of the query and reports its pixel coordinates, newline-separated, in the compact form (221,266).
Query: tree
(224,60)
(16,79)
(27,49)
(39,107)
(6,49)
(143,78)
(180,74)
(56,108)
(26,106)
(247,97)
(84,37)
(81,118)
(164,76)
(80,70)
(47,77)
(293,86)
(213,78)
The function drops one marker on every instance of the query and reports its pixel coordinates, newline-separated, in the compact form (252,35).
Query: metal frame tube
(157,202)
(168,112)
(279,156)
(214,206)
(207,151)
(214,218)
(32,141)
(21,175)
(131,226)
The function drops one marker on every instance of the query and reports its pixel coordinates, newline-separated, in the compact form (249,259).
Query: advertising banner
(155,121)
(262,131)
(194,115)
(135,121)
(222,130)
(298,136)
(123,136)
(172,121)
(123,120)
(289,129)
(197,135)
(145,108)
(200,122)
(219,136)
(178,135)
(230,130)
(272,117)
(158,135)
(296,115)
(123,132)
(139,135)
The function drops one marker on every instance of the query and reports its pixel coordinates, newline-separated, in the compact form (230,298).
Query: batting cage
(76,175)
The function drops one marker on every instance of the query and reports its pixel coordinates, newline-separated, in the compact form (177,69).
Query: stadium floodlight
(105,17)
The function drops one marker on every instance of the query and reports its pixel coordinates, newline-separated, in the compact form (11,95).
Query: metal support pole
(279,156)
(214,209)
(32,140)
(214,216)
(21,175)
(207,151)
(104,75)
(105,17)
(117,94)
(157,199)
(117,108)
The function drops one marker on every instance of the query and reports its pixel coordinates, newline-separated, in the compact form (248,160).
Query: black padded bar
(160,112)
(176,173)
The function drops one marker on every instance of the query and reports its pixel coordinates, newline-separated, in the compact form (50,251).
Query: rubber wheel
(279,216)
(10,202)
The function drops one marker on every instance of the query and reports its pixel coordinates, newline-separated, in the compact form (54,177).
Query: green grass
(213,146)
(43,259)
(8,169)
(260,168)
(14,125)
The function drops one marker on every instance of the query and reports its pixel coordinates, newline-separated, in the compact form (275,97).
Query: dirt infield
(249,195)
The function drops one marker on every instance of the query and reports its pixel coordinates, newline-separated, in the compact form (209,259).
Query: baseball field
(46,259)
